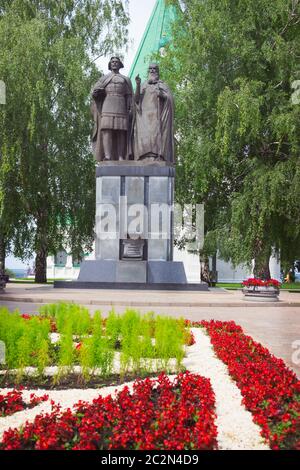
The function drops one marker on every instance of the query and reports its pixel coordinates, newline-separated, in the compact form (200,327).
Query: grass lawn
(294,286)
(229,286)
(26,280)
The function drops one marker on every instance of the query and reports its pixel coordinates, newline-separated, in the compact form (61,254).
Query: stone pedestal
(134,225)
(134,229)
(134,272)
(134,202)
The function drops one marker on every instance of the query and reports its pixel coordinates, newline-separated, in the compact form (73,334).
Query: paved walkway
(215,297)
(275,325)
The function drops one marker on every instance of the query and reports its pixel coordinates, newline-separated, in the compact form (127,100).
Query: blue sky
(140,11)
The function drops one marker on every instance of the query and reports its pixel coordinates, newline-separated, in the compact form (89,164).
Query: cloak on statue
(154,122)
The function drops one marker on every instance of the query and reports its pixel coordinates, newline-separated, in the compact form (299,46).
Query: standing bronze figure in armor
(112,108)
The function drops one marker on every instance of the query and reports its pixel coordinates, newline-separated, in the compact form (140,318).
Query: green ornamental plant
(23,355)
(130,330)
(66,353)
(103,354)
(42,357)
(146,343)
(147,348)
(96,351)
(113,328)
(169,342)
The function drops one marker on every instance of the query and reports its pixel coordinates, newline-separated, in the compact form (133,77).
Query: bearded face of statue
(153,73)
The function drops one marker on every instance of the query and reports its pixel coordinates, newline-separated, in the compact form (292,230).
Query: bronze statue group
(132,126)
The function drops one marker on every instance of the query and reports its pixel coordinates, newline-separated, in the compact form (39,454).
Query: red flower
(191,339)
(13,402)
(159,415)
(26,316)
(270,390)
(255,282)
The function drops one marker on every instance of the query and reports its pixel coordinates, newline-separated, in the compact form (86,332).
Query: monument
(133,144)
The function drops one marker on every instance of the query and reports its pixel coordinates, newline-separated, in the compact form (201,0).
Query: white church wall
(66,271)
(226,272)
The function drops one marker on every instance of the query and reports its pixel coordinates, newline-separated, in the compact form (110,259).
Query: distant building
(156,36)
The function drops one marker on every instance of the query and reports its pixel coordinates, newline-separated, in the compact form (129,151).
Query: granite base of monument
(133,259)
(153,272)
(144,275)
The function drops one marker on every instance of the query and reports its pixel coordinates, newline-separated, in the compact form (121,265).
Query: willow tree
(234,66)
(48,53)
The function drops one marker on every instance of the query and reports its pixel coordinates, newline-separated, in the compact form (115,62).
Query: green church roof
(156,36)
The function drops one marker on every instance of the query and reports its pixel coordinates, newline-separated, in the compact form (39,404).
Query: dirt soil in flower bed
(71,381)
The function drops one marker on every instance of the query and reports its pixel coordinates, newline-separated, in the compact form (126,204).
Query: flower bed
(260,290)
(138,344)
(270,390)
(255,282)
(158,414)
(13,401)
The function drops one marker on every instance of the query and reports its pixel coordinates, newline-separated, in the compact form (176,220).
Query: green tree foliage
(11,214)
(48,53)
(234,66)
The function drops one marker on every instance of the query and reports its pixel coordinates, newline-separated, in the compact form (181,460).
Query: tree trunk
(213,274)
(41,267)
(41,250)
(204,268)
(2,256)
(262,268)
